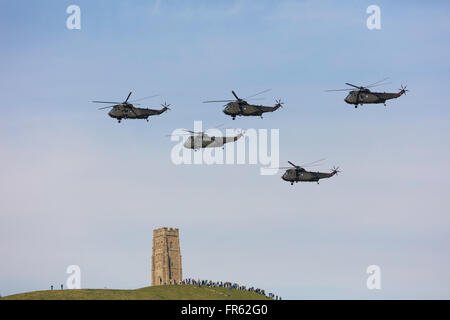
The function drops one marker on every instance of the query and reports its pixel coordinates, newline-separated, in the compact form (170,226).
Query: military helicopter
(299,174)
(364,96)
(126,110)
(200,140)
(240,107)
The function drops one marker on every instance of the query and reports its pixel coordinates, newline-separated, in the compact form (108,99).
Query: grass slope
(179,292)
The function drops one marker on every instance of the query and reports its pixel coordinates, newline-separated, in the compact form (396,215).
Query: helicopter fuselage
(242,108)
(205,141)
(301,175)
(128,111)
(360,97)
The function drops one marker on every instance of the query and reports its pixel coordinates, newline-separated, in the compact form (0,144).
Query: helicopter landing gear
(262,117)
(356,106)
(292,183)
(234,118)
(118,120)
(146,119)
(385,105)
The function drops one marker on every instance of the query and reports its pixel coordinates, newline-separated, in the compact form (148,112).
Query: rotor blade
(217,101)
(380,84)
(179,134)
(297,167)
(338,90)
(140,99)
(375,83)
(349,84)
(264,91)
(193,132)
(235,95)
(110,102)
(128,97)
(106,107)
(292,164)
(311,163)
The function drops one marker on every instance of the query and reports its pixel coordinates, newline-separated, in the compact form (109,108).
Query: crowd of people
(228,285)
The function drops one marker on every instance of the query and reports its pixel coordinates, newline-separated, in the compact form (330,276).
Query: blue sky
(78,188)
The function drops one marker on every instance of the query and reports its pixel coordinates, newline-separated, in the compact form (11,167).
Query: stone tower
(166,257)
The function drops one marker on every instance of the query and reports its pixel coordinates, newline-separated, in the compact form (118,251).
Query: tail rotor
(403,89)
(335,170)
(279,103)
(241,132)
(166,106)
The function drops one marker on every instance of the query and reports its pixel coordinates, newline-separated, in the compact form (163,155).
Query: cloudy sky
(78,188)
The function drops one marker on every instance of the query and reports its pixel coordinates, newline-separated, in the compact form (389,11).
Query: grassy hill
(184,292)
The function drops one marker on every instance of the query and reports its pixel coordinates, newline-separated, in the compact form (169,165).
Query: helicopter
(299,174)
(364,96)
(240,107)
(200,140)
(126,110)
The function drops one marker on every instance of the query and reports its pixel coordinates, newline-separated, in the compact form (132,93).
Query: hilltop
(173,292)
